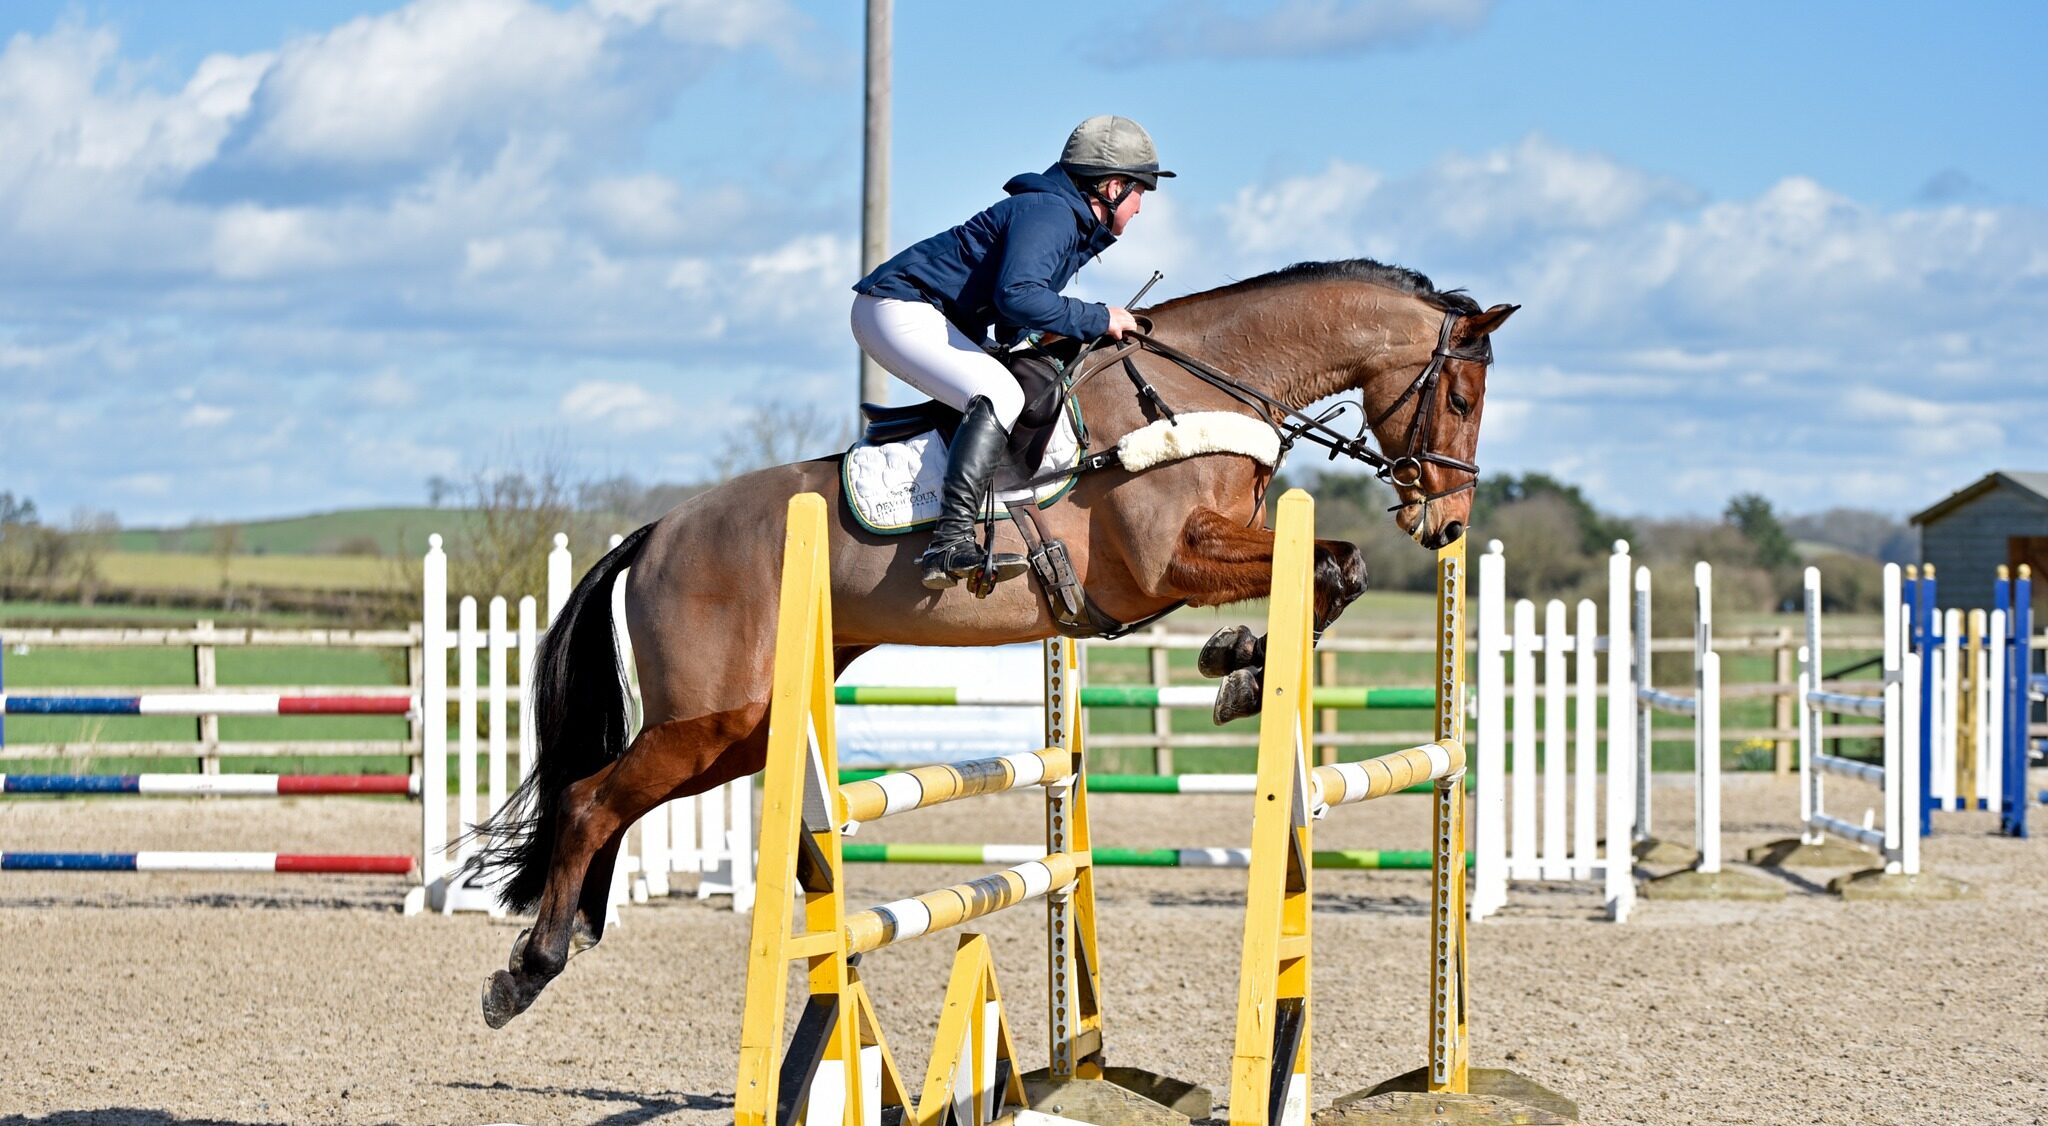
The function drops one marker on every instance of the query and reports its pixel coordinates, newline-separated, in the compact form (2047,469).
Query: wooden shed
(2001,519)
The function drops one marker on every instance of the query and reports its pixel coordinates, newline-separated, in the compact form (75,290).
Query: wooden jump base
(836,1066)
(1270,1063)
(205,862)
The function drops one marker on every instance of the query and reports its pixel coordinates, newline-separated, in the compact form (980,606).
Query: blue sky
(264,258)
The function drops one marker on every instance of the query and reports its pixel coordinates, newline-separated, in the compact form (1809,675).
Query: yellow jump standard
(837,1067)
(1269,1081)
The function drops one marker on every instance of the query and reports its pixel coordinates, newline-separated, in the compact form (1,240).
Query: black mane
(1366,270)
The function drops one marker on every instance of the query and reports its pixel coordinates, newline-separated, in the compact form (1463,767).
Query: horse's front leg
(1218,561)
(1340,578)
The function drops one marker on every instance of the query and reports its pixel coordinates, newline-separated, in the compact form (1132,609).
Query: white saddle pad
(895,487)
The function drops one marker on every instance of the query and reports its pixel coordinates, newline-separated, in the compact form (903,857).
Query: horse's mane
(1398,278)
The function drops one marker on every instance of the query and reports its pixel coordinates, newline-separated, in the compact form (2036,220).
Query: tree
(1751,514)
(1877,535)
(1596,532)
(15,512)
(1353,507)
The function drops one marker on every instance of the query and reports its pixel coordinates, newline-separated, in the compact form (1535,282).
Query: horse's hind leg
(671,760)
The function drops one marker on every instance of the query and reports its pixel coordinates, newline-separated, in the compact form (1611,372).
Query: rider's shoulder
(1043,214)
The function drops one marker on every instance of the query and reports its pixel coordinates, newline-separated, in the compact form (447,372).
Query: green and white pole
(1116,696)
(1361,859)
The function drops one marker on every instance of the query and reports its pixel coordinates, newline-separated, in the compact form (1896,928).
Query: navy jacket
(1006,266)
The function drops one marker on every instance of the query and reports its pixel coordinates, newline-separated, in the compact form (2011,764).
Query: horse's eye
(1460,403)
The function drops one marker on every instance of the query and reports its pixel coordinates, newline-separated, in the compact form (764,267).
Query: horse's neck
(1300,346)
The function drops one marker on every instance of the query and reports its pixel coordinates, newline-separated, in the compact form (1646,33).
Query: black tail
(580,724)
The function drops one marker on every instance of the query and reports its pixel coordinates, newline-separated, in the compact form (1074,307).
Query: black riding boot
(978,449)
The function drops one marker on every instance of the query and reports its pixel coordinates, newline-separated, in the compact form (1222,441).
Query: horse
(700,603)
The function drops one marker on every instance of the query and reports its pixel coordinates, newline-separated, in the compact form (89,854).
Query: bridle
(1404,471)
(1423,390)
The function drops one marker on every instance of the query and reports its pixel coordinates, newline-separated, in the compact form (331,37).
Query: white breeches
(919,346)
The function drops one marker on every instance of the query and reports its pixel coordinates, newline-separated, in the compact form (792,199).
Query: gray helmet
(1107,145)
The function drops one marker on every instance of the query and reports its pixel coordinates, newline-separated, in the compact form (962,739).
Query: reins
(1292,425)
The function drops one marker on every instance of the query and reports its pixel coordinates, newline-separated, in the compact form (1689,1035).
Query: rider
(925,314)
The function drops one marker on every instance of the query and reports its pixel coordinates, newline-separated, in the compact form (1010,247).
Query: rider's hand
(1120,321)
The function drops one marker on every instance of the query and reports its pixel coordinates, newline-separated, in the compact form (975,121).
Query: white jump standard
(1897,707)
(1704,878)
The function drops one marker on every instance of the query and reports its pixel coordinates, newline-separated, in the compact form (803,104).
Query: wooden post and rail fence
(204,641)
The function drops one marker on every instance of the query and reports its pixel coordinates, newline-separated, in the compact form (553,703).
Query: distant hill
(388,532)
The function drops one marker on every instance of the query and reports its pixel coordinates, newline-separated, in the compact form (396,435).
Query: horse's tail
(580,724)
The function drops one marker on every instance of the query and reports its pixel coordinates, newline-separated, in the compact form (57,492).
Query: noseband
(1406,471)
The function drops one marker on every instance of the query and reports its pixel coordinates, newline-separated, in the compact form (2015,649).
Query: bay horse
(700,603)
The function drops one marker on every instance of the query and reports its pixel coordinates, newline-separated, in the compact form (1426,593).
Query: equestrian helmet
(1107,145)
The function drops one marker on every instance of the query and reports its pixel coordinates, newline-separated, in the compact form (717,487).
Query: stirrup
(971,563)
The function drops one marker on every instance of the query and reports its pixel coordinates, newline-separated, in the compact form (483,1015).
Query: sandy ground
(156,1000)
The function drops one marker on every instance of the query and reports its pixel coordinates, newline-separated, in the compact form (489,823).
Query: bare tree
(771,435)
(91,534)
(512,516)
(227,540)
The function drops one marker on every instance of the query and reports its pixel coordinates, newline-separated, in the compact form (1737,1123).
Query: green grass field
(399,532)
(156,570)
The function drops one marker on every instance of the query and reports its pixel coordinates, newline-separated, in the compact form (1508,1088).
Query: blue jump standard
(2014,596)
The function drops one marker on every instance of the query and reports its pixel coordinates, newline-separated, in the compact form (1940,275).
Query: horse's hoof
(504,999)
(582,936)
(517,961)
(1240,695)
(1227,650)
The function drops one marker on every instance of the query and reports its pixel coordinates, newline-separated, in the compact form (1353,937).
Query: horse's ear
(1472,328)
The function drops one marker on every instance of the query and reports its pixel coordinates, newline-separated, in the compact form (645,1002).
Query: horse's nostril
(1452,531)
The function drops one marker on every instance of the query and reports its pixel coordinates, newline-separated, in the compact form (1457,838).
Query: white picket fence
(1515,835)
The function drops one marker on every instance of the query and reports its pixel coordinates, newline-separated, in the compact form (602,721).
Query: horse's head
(1428,425)
(1315,330)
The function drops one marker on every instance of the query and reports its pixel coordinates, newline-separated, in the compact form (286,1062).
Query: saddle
(1038,371)
(1045,372)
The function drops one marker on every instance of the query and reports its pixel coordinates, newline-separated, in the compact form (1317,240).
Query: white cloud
(144,484)
(254,242)
(390,388)
(201,416)
(626,408)
(1689,347)
(1302,211)
(480,237)
(417,81)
